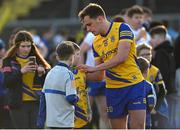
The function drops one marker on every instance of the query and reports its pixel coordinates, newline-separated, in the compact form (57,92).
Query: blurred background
(51,21)
(60,16)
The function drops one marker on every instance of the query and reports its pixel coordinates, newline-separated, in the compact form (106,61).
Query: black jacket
(13,81)
(177,51)
(164,60)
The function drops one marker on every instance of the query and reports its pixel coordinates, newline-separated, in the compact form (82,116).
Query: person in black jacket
(24,80)
(163,56)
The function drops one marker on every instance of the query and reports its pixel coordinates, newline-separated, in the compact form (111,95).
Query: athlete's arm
(97,75)
(84,48)
(122,55)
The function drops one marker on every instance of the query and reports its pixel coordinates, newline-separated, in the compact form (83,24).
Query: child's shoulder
(58,70)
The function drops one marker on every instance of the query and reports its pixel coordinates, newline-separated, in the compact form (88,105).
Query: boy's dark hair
(143,64)
(154,24)
(92,10)
(65,50)
(134,10)
(160,30)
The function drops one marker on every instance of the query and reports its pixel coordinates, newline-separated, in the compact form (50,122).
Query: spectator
(5,121)
(160,113)
(135,20)
(177,55)
(147,17)
(150,92)
(163,56)
(24,80)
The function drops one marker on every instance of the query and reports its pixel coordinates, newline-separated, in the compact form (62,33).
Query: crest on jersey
(134,77)
(105,42)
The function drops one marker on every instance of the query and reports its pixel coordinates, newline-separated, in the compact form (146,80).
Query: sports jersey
(81,108)
(105,47)
(28,79)
(154,75)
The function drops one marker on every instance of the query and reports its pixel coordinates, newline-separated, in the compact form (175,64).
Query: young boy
(82,108)
(59,91)
(150,92)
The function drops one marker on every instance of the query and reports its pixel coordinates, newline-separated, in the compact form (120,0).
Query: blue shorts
(120,100)
(96,88)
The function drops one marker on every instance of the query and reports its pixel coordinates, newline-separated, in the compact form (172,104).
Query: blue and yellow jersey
(81,108)
(154,76)
(27,79)
(105,48)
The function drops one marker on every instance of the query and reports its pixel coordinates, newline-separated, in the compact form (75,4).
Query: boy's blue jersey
(151,101)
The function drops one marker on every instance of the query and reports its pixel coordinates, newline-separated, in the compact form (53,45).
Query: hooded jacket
(164,60)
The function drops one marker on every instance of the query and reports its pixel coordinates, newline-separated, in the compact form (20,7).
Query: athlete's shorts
(120,100)
(96,88)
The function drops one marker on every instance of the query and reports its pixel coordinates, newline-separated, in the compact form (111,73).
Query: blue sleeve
(151,96)
(72,99)
(125,32)
(42,112)
(158,77)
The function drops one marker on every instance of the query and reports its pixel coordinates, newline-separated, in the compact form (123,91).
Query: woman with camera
(24,73)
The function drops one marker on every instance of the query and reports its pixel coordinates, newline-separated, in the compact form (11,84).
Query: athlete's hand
(86,68)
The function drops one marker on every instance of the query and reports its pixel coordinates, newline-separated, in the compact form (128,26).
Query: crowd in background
(156,42)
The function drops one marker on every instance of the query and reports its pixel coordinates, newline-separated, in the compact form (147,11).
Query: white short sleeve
(70,88)
(89,38)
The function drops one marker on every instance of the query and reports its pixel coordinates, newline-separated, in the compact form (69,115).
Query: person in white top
(135,20)
(59,91)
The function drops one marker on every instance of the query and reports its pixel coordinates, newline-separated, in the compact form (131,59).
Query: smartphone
(33,59)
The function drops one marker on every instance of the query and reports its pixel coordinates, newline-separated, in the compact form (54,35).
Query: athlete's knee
(134,124)
(137,119)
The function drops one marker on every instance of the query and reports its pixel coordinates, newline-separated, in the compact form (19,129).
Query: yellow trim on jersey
(126,40)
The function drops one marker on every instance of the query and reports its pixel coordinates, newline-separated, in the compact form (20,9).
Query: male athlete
(114,51)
